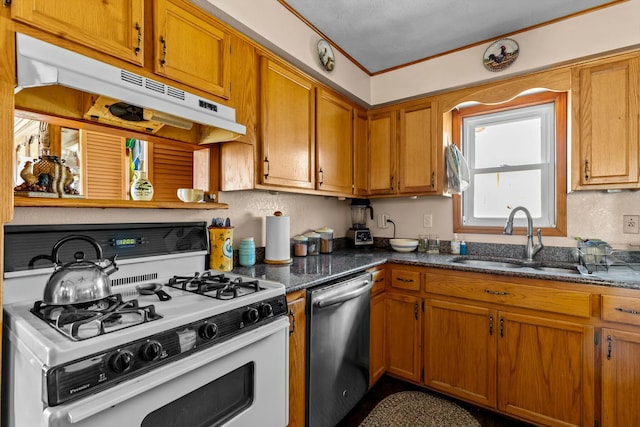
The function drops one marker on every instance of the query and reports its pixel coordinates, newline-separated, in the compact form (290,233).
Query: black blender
(359,235)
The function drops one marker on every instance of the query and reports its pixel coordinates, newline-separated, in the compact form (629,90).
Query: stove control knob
(251,315)
(208,331)
(266,310)
(121,361)
(150,351)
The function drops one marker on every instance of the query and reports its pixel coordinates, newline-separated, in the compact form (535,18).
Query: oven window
(210,405)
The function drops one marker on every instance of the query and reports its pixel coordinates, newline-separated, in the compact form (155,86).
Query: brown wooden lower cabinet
(620,378)
(377,336)
(297,358)
(545,370)
(403,336)
(460,350)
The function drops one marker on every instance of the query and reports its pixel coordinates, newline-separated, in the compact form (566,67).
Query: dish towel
(457,170)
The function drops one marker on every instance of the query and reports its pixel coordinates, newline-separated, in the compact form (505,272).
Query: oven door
(240,382)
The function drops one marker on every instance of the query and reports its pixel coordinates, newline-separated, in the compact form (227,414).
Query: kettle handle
(59,243)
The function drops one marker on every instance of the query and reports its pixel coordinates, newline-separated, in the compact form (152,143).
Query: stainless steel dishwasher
(338,348)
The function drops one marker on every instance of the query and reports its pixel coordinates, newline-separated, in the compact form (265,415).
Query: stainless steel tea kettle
(79,281)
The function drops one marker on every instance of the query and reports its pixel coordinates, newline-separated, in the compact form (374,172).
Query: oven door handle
(342,297)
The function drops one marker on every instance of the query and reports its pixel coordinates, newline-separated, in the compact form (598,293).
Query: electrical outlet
(427,221)
(382,220)
(630,224)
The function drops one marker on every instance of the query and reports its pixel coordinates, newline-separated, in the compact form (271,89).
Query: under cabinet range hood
(122,98)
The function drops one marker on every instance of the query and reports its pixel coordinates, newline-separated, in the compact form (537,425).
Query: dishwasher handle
(342,297)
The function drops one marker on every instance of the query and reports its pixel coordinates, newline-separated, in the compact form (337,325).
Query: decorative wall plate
(501,54)
(325,53)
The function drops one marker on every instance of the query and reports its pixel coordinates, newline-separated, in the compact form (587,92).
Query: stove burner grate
(221,286)
(94,318)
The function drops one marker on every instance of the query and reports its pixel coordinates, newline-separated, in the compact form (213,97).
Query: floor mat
(418,409)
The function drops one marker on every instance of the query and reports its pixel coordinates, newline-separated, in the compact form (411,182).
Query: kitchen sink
(555,269)
(552,267)
(489,263)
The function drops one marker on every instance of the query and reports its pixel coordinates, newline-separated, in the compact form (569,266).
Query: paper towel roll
(277,248)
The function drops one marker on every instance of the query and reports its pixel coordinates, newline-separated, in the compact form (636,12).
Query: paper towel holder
(286,259)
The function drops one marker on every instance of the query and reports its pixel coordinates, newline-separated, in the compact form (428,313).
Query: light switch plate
(427,221)
(630,224)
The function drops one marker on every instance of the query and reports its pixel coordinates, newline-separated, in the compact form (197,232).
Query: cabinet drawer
(378,278)
(574,303)
(621,309)
(405,279)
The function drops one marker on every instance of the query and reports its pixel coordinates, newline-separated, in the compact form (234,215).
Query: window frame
(561,138)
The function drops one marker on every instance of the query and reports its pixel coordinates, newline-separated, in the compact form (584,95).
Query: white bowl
(188,195)
(403,245)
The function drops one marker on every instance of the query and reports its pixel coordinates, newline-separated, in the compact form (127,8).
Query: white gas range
(211,349)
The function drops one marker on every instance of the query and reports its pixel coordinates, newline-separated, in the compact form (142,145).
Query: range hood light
(170,120)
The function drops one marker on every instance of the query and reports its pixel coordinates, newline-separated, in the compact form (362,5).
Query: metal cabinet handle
(586,170)
(163,60)
(490,324)
(400,279)
(501,328)
(628,311)
(292,327)
(392,182)
(266,168)
(433,179)
(320,177)
(379,280)
(609,339)
(139,30)
(489,291)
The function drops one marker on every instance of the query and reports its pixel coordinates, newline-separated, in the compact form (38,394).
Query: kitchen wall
(590,214)
(247,210)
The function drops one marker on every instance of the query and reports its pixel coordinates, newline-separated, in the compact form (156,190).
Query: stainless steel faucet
(530,250)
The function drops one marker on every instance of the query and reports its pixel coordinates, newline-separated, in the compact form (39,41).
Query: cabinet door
(244,93)
(190,48)
(545,370)
(105,156)
(620,378)
(377,353)
(416,150)
(360,154)
(114,28)
(297,358)
(460,351)
(382,143)
(608,124)
(403,336)
(334,143)
(287,111)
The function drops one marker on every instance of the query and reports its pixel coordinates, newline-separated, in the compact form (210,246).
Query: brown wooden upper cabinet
(403,151)
(287,117)
(190,48)
(114,28)
(605,138)
(334,143)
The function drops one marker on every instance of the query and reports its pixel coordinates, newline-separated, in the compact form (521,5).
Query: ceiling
(379,35)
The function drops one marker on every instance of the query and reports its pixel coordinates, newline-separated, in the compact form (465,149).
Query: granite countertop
(310,271)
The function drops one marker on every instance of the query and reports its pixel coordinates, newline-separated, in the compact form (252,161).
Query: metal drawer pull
(400,279)
(489,291)
(624,310)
